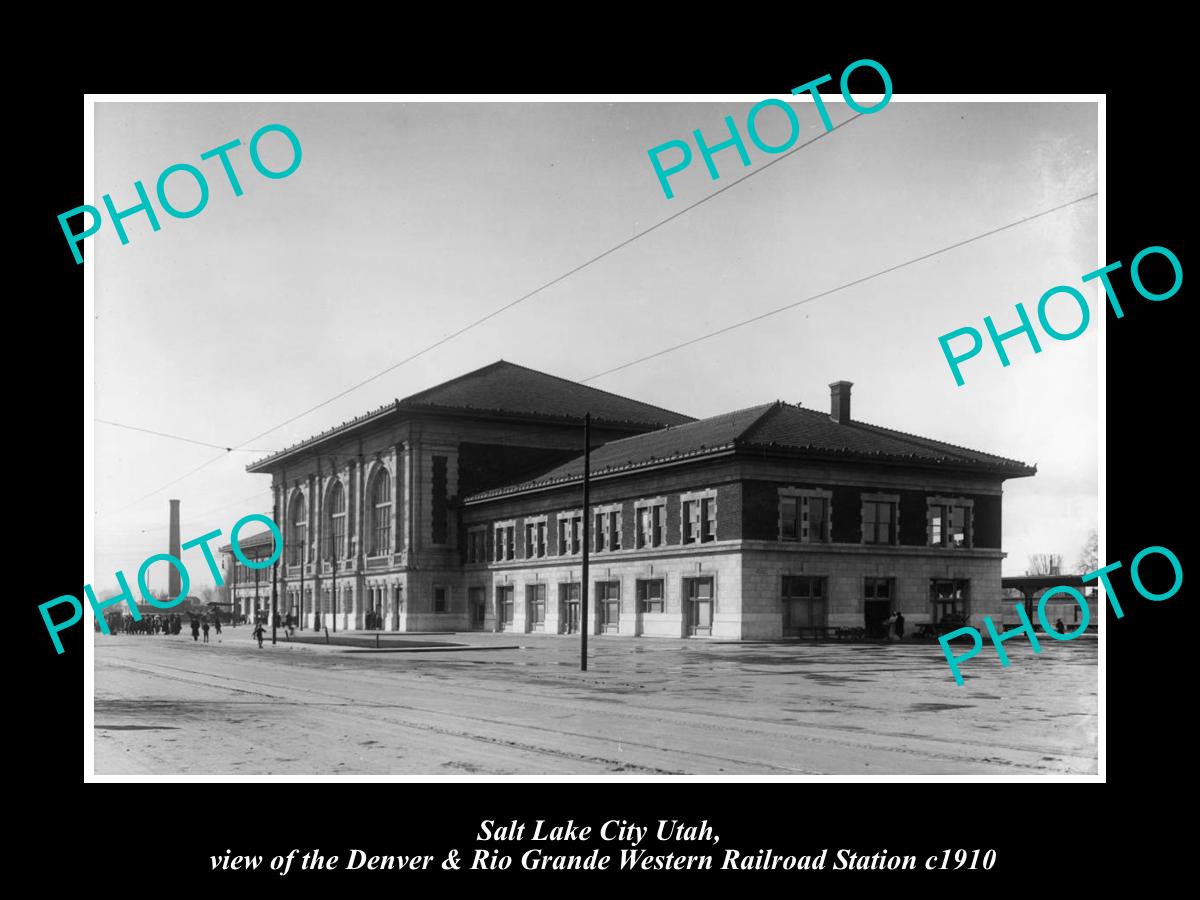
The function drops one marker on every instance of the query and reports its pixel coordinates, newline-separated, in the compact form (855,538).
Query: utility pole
(275,577)
(587,533)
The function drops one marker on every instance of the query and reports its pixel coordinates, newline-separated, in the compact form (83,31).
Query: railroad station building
(459,508)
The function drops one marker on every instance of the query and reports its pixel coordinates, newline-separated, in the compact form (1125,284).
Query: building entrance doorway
(504,607)
(876,613)
(608,600)
(698,601)
(877,606)
(568,608)
(476,603)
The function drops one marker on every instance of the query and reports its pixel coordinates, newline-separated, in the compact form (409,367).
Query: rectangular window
(506,542)
(570,528)
(804,516)
(535,614)
(699,519)
(949,522)
(877,589)
(650,595)
(439,599)
(608,530)
(476,545)
(804,606)
(879,522)
(789,518)
(530,540)
(951,600)
(439,486)
(650,525)
(541,538)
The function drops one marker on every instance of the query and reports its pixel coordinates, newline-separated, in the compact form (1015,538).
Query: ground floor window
(650,595)
(804,604)
(504,607)
(535,612)
(950,599)
(608,601)
(698,605)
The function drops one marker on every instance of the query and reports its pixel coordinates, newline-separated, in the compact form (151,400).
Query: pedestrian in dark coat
(259,631)
(195,630)
(900,625)
(205,627)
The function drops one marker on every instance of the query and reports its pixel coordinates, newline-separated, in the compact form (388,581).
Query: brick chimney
(174,586)
(839,397)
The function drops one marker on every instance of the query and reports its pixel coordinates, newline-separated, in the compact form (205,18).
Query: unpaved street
(167,705)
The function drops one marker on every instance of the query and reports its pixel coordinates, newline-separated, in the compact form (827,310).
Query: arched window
(335,529)
(381,512)
(298,519)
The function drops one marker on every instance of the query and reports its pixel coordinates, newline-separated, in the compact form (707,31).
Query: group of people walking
(124,623)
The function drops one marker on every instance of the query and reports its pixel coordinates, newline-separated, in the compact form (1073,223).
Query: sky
(408,221)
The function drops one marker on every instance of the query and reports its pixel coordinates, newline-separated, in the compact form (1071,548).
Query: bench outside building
(459,508)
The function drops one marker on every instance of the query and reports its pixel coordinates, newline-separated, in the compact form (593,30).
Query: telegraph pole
(587,533)
(275,580)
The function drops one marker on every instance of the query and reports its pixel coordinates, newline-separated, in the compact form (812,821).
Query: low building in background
(459,508)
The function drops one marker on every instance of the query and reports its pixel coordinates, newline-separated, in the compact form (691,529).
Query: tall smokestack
(173,584)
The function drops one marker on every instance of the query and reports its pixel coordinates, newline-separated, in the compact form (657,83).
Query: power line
(176,437)
(842,287)
(506,306)
(188,474)
(553,281)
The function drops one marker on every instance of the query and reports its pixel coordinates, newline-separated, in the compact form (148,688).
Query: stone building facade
(460,508)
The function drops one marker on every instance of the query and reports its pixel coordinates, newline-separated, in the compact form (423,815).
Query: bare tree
(1089,556)
(1045,564)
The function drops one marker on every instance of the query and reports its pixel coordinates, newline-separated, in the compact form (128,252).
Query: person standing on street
(900,626)
(195,630)
(259,631)
(204,625)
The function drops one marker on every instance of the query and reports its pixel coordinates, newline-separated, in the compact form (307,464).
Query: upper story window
(535,538)
(608,528)
(804,515)
(570,533)
(298,519)
(950,521)
(477,544)
(335,529)
(879,518)
(699,517)
(381,512)
(506,541)
(651,523)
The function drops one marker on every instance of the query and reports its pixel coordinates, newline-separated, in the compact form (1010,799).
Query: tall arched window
(381,512)
(335,529)
(298,519)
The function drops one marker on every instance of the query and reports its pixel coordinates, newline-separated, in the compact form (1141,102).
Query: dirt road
(167,705)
